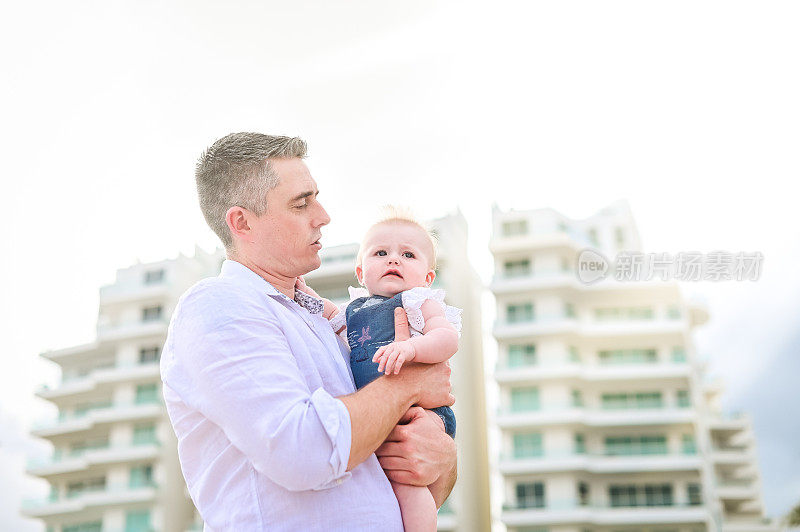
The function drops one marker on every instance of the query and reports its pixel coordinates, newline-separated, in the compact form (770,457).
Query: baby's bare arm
(439,340)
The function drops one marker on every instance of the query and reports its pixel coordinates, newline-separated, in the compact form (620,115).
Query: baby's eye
(380,253)
(408,255)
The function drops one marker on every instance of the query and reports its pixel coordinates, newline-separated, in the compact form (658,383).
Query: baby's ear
(430,277)
(360,274)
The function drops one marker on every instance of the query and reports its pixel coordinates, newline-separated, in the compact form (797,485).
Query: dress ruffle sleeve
(412,303)
(340,319)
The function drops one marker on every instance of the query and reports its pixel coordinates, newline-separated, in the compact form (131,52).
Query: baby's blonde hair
(392,214)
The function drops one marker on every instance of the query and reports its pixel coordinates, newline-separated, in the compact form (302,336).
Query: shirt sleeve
(240,373)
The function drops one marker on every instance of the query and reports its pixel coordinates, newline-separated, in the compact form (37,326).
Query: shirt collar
(236,270)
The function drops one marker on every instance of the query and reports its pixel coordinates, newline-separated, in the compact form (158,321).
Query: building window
(574,355)
(623,401)
(530,495)
(521,355)
(569,310)
(149,355)
(646,495)
(635,445)
(144,434)
(688,445)
(515,227)
(524,399)
(674,313)
(138,521)
(154,276)
(151,313)
(141,476)
(684,401)
(583,493)
(580,444)
(146,393)
(627,356)
(75,489)
(520,313)
(577,399)
(528,445)
(94,526)
(678,354)
(694,494)
(517,268)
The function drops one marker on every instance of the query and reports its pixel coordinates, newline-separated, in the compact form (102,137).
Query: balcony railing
(93,414)
(90,453)
(77,381)
(77,500)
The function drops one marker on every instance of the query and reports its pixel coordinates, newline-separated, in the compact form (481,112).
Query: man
(271,432)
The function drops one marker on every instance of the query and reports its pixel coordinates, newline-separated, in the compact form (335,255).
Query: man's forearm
(374,411)
(444,485)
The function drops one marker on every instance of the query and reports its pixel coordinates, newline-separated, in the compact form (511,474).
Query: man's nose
(322,216)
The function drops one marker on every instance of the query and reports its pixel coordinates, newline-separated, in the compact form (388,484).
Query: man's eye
(380,253)
(408,255)
(301,206)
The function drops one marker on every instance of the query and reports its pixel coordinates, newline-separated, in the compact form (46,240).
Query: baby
(396,264)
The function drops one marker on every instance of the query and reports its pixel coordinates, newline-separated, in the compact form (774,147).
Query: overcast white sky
(687,109)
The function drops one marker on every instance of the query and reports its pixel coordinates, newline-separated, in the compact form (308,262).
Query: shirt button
(339,481)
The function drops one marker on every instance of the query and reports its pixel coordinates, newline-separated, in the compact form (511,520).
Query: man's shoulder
(218,299)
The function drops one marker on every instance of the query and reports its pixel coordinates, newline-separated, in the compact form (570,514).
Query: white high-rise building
(605,423)
(115,465)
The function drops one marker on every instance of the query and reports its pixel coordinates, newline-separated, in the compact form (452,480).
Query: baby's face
(395,257)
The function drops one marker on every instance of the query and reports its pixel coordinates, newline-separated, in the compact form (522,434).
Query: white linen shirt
(250,384)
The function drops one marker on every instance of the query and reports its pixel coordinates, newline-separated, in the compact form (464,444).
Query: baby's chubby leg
(416,506)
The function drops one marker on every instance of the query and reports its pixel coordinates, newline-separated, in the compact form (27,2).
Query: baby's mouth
(393,272)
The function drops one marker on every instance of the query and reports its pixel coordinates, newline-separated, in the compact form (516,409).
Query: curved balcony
(570,512)
(599,463)
(560,325)
(592,373)
(570,415)
(738,490)
(147,371)
(107,332)
(118,412)
(113,495)
(123,293)
(59,465)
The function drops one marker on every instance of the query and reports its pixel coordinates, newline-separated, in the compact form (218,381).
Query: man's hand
(417,451)
(432,381)
(391,357)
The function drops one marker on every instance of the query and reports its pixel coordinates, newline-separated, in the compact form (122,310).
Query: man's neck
(282,284)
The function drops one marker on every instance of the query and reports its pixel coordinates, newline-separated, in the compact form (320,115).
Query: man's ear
(360,274)
(430,277)
(237,220)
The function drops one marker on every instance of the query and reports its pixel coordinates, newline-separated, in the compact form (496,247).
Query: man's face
(287,234)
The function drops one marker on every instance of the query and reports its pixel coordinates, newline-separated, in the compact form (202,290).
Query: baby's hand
(393,356)
(300,284)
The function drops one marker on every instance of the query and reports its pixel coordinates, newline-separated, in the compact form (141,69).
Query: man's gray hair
(235,171)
